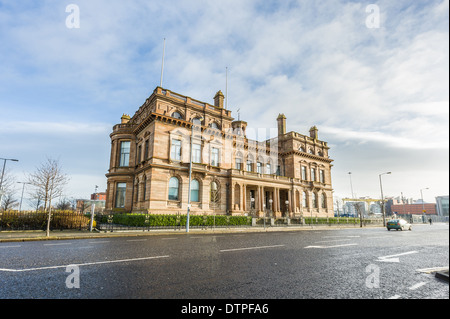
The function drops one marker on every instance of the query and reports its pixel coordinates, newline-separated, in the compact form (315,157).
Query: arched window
(314,200)
(214,125)
(177,115)
(301,148)
(304,200)
(324,200)
(173,188)
(195,187)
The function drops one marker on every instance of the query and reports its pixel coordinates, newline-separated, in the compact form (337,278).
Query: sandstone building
(288,175)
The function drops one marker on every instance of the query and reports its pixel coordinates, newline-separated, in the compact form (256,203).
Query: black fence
(32,220)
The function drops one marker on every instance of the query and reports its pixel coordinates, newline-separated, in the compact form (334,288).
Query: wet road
(315,264)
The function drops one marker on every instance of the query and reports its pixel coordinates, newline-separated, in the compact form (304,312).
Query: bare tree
(7,190)
(9,202)
(49,181)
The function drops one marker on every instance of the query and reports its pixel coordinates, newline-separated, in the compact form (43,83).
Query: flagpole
(162,63)
(226,88)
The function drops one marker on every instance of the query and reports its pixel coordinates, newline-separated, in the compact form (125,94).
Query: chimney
(281,120)
(218,99)
(313,132)
(125,118)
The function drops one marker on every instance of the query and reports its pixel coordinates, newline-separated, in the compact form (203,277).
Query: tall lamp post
(423,204)
(382,198)
(21,198)
(190,174)
(351,185)
(3,173)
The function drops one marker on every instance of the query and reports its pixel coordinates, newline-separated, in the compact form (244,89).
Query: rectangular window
(259,167)
(175,151)
(138,157)
(268,169)
(304,173)
(249,166)
(124,154)
(313,174)
(196,153)
(215,157)
(120,194)
(146,150)
(322,176)
(238,163)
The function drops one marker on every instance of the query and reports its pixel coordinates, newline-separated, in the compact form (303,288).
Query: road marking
(14,246)
(58,244)
(169,238)
(248,248)
(418,285)
(333,246)
(333,240)
(83,264)
(341,236)
(433,269)
(99,242)
(395,260)
(136,239)
(395,297)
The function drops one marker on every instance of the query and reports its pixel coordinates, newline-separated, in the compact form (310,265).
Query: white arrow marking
(395,260)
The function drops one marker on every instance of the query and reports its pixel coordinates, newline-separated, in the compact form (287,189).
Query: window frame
(175,149)
(177,187)
(124,157)
(119,199)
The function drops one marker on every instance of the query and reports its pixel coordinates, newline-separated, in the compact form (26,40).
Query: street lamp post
(382,198)
(423,204)
(3,173)
(21,198)
(351,185)
(190,174)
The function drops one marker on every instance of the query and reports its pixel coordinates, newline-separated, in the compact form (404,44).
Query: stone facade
(288,175)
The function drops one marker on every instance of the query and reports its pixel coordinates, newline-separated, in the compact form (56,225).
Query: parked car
(399,224)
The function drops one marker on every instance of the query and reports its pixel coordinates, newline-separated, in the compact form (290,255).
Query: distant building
(442,205)
(231,174)
(85,205)
(414,209)
(98,196)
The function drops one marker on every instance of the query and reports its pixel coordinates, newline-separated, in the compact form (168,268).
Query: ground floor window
(120,195)
(173,188)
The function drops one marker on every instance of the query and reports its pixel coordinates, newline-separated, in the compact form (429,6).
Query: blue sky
(379,96)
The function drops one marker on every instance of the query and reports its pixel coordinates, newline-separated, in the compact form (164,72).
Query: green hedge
(143,220)
(30,220)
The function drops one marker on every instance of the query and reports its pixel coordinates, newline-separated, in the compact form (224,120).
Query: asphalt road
(368,263)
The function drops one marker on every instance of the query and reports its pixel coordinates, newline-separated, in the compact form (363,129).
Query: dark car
(399,224)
